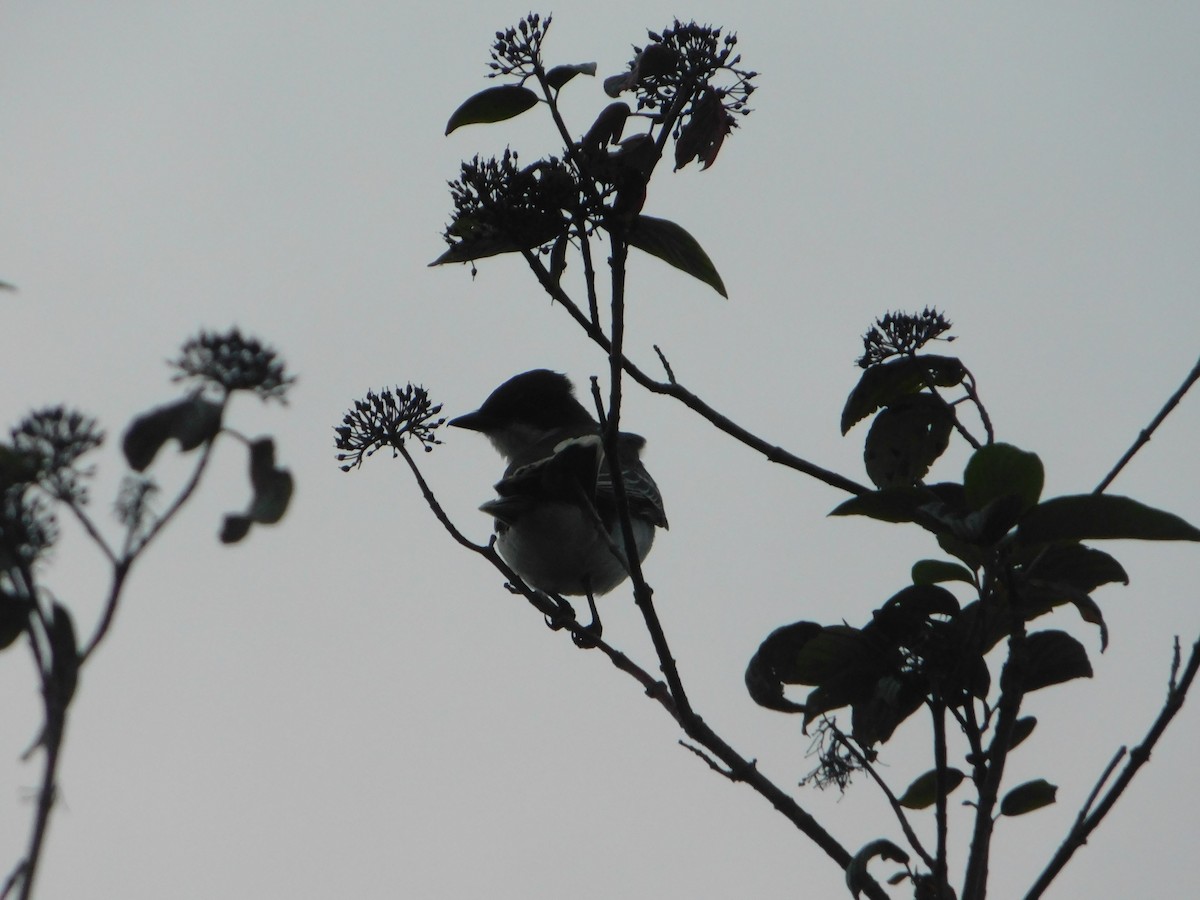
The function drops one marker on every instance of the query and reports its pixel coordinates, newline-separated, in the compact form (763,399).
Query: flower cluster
(231,362)
(384,420)
(901,334)
(51,441)
(500,207)
(519,50)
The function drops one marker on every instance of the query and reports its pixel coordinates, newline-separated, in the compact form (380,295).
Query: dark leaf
(1101,516)
(773,665)
(494,104)
(64,665)
(885,383)
(936,571)
(484,242)
(1027,797)
(192,421)
(1052,657)
(560,75)
(1022,728)
(1083,568)
(1001,470)
(891,700)
(922,793)
(898,504)
(673,245)
(905,439)
(272,493)
(857,878)
(607,128)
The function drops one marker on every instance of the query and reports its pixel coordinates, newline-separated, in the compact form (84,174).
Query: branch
(909,834)
(1078,835)
(1144,437)
(676,390)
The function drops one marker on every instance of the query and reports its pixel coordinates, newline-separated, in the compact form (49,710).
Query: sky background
(348,704)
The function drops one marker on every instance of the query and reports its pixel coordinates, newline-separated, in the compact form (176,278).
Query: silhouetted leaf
(773,665)
(672,244)
(1101,516)
(1052,657)
(494,104)
(857,878)
(1022,728)
(898,504)
(272,493)
(1027,797)
(560,75)
(887,382)
(905,439)
(999,470)
(191,421)
(935,571)
(922,793)
(1082,567)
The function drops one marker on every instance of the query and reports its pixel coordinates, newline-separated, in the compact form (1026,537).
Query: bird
(555,516)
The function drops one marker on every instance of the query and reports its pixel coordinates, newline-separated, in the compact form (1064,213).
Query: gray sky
(347,705)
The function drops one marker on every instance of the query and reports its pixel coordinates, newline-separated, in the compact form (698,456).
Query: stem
(1078,835)
(940,872)
(1144,437)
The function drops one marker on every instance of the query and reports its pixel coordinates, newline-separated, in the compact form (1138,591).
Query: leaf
(607,128)
(885,383)
(1022,728)
(897,504)
(935,571)
(1083,568)
(1001,470)
(1053,657)
(673,245)
(922,793)
(272,493)
(857,878)
(905,439)
(191,421)
(772,665)
(64,662)
(1027,797)
(494,104)
(560,75)
(1101,517)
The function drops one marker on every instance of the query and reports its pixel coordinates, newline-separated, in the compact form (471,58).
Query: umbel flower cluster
(902,334)
(385,420)
(231,362)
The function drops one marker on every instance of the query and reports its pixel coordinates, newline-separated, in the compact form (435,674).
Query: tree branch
(1078,835)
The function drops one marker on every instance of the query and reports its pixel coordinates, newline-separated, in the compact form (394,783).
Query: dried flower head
(230,362)
(902,334)
(384,420)
(836,764)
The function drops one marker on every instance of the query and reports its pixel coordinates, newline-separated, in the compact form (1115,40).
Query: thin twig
(1138,757)
(909,833)
(1144,437)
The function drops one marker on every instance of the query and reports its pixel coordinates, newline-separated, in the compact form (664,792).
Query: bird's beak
(473,421)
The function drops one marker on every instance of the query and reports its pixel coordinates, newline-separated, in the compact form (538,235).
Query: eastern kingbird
(556,514)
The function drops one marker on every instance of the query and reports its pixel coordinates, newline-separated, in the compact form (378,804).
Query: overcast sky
(347,704)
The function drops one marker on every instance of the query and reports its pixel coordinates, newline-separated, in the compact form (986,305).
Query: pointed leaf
(1083,568)
(1022,728)
(673,245)
(885,383)
(494,104)
(1027,797)
(1001,470)
(922,793)
(560,75)
(12,618)
(1052,657)
(935,571)
(1101,516)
